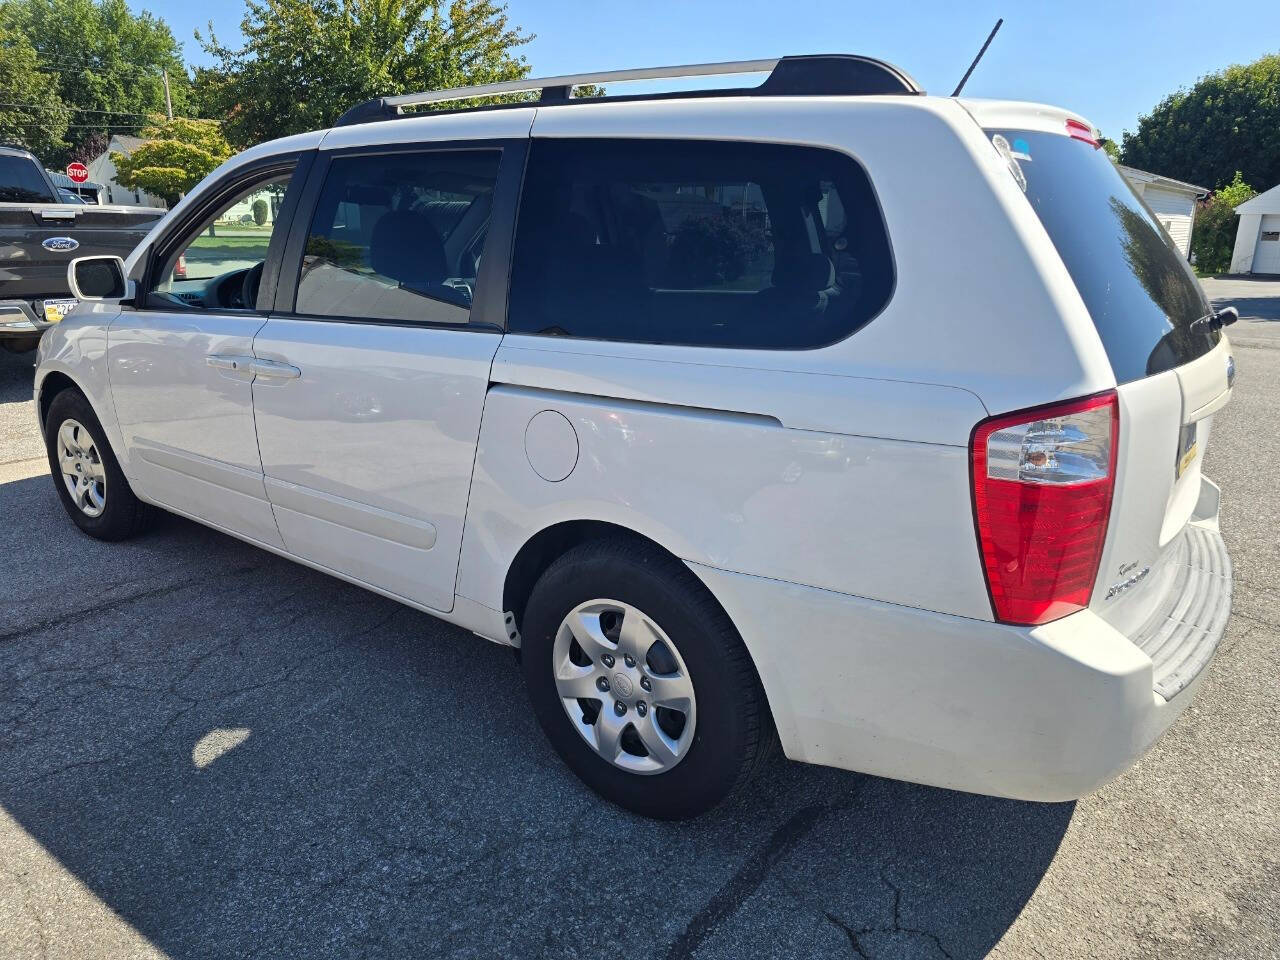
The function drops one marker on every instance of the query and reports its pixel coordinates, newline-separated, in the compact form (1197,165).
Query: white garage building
(1172,201)
(1257,248)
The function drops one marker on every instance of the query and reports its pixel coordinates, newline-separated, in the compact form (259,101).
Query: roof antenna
(965,79)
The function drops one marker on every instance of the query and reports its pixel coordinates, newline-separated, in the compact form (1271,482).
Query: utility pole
(168,102)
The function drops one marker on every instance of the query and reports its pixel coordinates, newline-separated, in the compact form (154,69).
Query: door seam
(257,441)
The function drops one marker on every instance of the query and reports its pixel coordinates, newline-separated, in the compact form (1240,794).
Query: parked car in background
(42,228)
(823,411)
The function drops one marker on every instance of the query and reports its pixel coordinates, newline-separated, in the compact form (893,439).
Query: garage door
(1266,258)
(1174,213)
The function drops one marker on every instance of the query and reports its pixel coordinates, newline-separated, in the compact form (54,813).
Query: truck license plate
(55,310)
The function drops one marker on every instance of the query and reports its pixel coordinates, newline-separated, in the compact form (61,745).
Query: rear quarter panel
(881,518)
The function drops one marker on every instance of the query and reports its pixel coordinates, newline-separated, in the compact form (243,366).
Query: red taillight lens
(180,268)
(1042,486)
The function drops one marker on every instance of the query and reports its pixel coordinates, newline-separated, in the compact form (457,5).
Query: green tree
(304,62)
(1213,237)
(106,63)
(259,211)
(1227,121)
(31,112)
(177,155)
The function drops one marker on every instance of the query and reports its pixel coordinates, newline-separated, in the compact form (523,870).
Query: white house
(1257,248)
(103,171)
(1172,201)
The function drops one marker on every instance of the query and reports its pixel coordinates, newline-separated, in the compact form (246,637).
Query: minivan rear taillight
(1042,485)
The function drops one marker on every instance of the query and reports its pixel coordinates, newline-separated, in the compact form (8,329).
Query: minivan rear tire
(733,733)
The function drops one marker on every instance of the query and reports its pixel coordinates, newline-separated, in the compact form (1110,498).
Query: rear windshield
(20,182)
(1135,282)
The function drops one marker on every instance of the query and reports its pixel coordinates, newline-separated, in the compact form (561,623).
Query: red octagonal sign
(78,172)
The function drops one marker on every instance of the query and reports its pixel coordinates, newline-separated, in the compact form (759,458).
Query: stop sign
(78,172)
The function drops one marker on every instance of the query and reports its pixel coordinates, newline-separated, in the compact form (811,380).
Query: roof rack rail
(837,74)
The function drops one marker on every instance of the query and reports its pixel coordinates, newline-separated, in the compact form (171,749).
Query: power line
(116,113)
(118,65)
(79,126)
(71,71)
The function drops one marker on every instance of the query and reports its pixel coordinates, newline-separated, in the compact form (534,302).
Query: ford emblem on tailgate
(60,244)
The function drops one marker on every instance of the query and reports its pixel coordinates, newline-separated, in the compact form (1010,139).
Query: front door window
(218,265)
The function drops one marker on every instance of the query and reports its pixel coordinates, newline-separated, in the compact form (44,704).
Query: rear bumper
(1048,713)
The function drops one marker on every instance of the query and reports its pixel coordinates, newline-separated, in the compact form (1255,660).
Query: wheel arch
(545,546)
(55,378)
(54,383)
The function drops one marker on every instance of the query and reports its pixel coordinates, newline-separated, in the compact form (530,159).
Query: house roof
(1168,183)
(122,143)
(62,180)
(1268,202)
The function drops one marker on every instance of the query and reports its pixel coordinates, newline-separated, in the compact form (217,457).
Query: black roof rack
(836,74)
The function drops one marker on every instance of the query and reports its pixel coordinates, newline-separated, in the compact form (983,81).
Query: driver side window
(218,265)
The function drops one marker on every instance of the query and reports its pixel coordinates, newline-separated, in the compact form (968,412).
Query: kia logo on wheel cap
(60,244)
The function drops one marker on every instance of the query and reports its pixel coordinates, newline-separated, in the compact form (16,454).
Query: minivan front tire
(89,481)
(641,682)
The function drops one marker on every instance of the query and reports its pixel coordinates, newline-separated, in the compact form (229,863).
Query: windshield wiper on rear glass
(1215,321)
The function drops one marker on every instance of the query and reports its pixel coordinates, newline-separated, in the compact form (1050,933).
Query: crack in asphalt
(850,933)
(192,703)
(751,875)
(84,613)
(855,936)
(37,918)
(407,890)
(748,878)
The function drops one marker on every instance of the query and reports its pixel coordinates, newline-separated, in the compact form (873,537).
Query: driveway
(208,751)
(1258,301)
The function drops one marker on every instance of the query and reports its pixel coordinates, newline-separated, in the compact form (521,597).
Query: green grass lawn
(227,247)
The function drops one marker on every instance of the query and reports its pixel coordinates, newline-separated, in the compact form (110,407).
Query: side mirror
(97,278)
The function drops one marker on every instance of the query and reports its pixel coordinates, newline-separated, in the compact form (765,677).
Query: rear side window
(697,242)
(1134,281)
(20,182)
(399,236)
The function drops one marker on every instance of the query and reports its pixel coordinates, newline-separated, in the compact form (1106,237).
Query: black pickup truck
(40,235)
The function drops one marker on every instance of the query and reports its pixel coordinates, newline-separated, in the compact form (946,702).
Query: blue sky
(1111,62)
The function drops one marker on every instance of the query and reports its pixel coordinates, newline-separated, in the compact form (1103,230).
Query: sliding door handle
(274,369)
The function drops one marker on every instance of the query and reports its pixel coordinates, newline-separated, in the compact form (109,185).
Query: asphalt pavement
(208,751)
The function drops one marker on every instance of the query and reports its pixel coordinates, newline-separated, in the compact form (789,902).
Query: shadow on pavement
(241,756)
(1253,308)
(16,373)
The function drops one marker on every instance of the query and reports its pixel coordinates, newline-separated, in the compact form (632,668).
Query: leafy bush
(1214,234)
(714,249)
(259,211)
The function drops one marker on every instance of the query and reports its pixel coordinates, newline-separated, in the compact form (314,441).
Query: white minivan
(823,413)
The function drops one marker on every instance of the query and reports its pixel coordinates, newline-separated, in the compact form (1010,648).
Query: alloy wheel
(82,468)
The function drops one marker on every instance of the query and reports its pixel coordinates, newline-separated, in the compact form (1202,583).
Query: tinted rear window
(20,182)
(697,242)
(1135,282)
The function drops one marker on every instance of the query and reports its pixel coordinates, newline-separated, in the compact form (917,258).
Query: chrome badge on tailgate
(1129,581)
